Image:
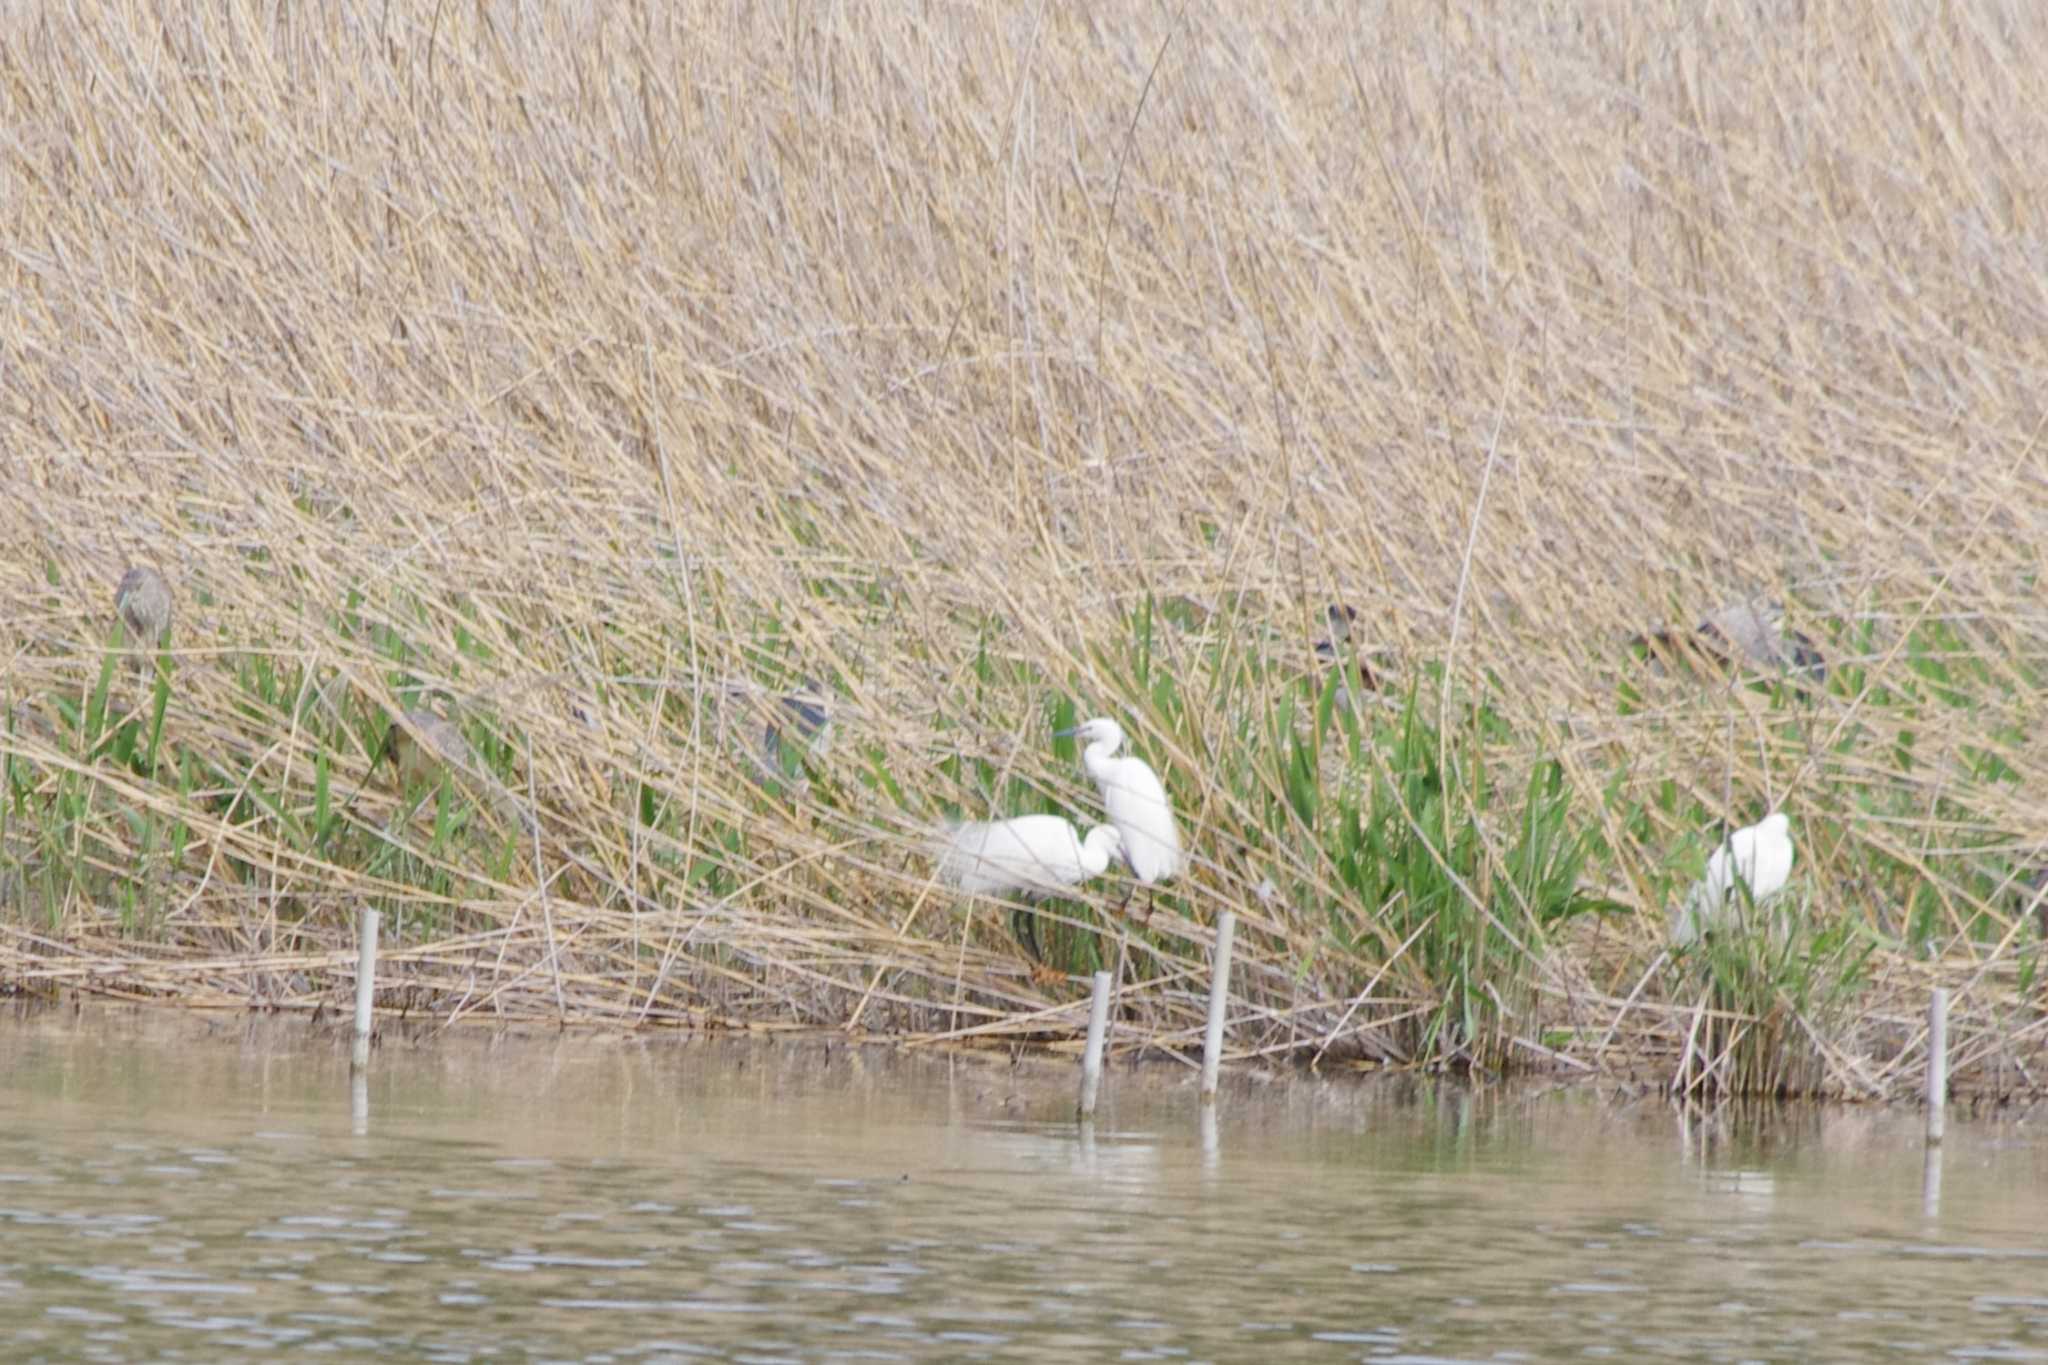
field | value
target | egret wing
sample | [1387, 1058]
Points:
[1136, 803]
[1032, 855]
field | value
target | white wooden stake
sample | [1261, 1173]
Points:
[1219, 998]
[1937, 1065]
[1091, 1055]
[366, 986]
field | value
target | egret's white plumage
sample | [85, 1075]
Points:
[1759, 855]
[1134, 800]
[1027, 857]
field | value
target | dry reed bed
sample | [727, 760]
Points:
[580, 364]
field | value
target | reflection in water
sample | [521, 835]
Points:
[168, 1187]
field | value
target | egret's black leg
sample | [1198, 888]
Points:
[1024, 928]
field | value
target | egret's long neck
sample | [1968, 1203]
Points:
[1095, 758]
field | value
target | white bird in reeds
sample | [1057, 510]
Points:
[1027, 857]
[1758, 858]
[1136, 803]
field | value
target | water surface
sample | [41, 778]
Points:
[173, 1187]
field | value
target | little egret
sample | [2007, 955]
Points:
[1136, 804]
[1760, 856]
[1026, 858]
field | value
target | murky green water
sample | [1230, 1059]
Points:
[171, 1189]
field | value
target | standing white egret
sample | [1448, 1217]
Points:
[1136, 804]
[1760, 855]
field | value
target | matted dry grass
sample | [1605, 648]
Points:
[585, 355]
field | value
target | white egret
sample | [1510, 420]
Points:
[1136, 804]
[1760, 856]
[1025, 858]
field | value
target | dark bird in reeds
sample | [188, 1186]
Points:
[1335, 649]
[806, 717]
[1739, 636]
[420, 744]
[142, 599]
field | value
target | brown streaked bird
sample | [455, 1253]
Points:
[420, 743]
[1337, 643]
[2032, 893]
[1740, 634]
[143, 602]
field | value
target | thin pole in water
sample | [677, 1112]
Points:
[1219, 997]
[1091, 1056]
[366, 986]
[1937, 1065]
